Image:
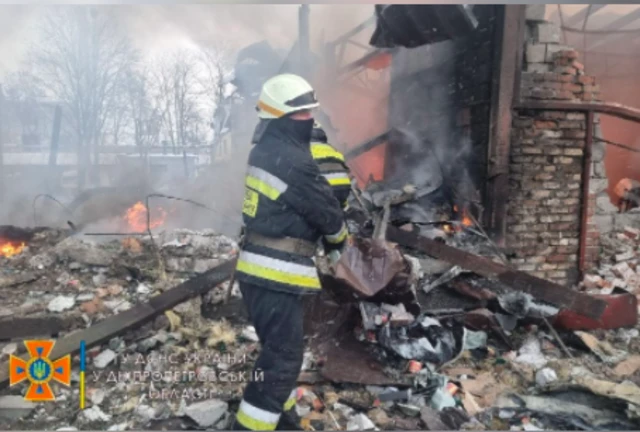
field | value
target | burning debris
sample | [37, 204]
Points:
[11, 248]
[137, 217]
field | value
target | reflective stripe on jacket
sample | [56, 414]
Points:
[286, 196]
[334, 169]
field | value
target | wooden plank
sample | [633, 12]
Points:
[540, 289]
[505, 69]
[134, 317]
[30, 327]
[366, 146]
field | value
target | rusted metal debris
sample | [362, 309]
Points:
[369, 266]
[134, 317]
[348, 361]
[540, 289]
[621, 311]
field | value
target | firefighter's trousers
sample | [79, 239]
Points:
[278, 320]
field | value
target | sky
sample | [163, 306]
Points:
[158, 28]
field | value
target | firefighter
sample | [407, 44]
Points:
[332, 165]
[288, 207]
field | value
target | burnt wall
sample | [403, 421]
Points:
[440, 101]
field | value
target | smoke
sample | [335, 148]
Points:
[156, 30]
[427, 147]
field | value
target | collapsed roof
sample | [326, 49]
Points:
[411, 26]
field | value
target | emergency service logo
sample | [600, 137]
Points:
[39, 370]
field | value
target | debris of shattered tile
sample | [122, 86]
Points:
[94, 414]
[360, 422]
[475, 339]
[601, 348]
[61, 304]
[103, 359]
[530, 353]
[545, 376]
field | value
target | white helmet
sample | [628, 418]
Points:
[285, 94]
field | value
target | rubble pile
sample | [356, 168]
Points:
[619, 258]
[422, 344]
[87, 279]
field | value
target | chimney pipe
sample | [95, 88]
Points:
[303, 40]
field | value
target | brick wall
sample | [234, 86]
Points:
[547, 150]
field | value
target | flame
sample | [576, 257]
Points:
[465, 221]
[136, 217]
[9, 249]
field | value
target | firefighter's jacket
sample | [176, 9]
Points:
[332, 166]
[285, 196]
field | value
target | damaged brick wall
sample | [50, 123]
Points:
[546, 164]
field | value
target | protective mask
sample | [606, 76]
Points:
[302, 130]
[298, 130]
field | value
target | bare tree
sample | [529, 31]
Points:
[80, 60]
[146, 120]
[23, 99]
[177, 95]
[218, 70]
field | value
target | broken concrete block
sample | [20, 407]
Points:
[208, 412]
[546, 32]
[360, 422]
[552, 50]
[592, 281]
[598, 185]
[94, 414]
[604, 205]
[103, 359]
[535, 12]
[89, 253]
[618, 283]
[623, 271]
[605, 223]
[61, 303]
[632, 233]
[535, 53]
[538, 67]
[626, 256]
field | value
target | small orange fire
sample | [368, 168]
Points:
[466, 221]
[9, 249]
[136, 217]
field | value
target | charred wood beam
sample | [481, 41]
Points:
[540, 289]
[506, 65]
[366, 146]
[134, 317]
[30, 327]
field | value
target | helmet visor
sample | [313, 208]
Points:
[302, 100]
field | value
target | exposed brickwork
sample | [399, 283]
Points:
[546, 167]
